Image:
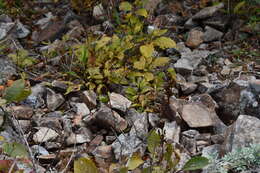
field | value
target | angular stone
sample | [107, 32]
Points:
[110, 119]
[189, 61]
[103, 152]
[194, 38]
[119, 102]
[125, 145]
[255, 85]
[36, 100]
[78, 139]
[90, 98]
[211, 34]
[54, 100]
[7, 69]
[187, 87]
[189, 24]
[60, 85]
[244, 132]
[21, 30]
[197, 115]
[207, 12]
[82, 109]
[140, 126]
[44, 134]
[22, 112]
[172, 132]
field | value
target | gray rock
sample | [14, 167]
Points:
[255, 85]
[189, 61]
[131, 116]
[60, 85]
[104, 152]
[1, 118]
[7, 69]
[189, 24]
[90, 98]
[5, 29]
[110, 119]
[172, 132]
[244, 132]
[99, 12]
[82, 109]
[211, 34]
[22, 112]
[154, 119]
[35, 99]
[21, 30]
[209, 152]
[5, 18]
[182, 48]
[44, 134]
[44, 22]
[188, 140]
[53, 100]
[187, 87]
[119, 102]
[78, 138]
[39, 150]
[207, 12]
[126, 144]
[197, 115]
[140, 126]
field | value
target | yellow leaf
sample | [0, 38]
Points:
[165, 42]
[85, 165]
[148, 76]
[147, 50]
[125, 6]
[159, 32]
[140, 65]
[134, 161]
[142, 12]
[160, 61]
[2, 138]
[102, 42]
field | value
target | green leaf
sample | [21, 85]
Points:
[142, 12]
[160, 61]
[164, 42]
[172, 73]
[85, 165]
[125, 6]
[123, 170]
[153, 141]
[15, 149]
[131, 91]
[84, 54]
[147, 50]
[134, 161]
[239, 6]
[195, 163]
[17, 92]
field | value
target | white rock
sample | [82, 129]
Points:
[119, 102]
[44, 134]
[82, 109]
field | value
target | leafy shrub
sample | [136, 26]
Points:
[242, 159]
[127, 58]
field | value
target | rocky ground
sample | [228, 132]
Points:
[215, 107]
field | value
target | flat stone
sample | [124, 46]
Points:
[207, 12]
[90, 98]
[244, 132]
[211, 34]
[44, 134]
[103, 152]
[78, 139]
[194, 38]
[197, 115]
[140, 126]
[35, 99]
[119, 102]
[22, 112]
[82, 109]
[110, 119]
[7, 69]
[188, 87]
[189, 61]
[54, 100]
